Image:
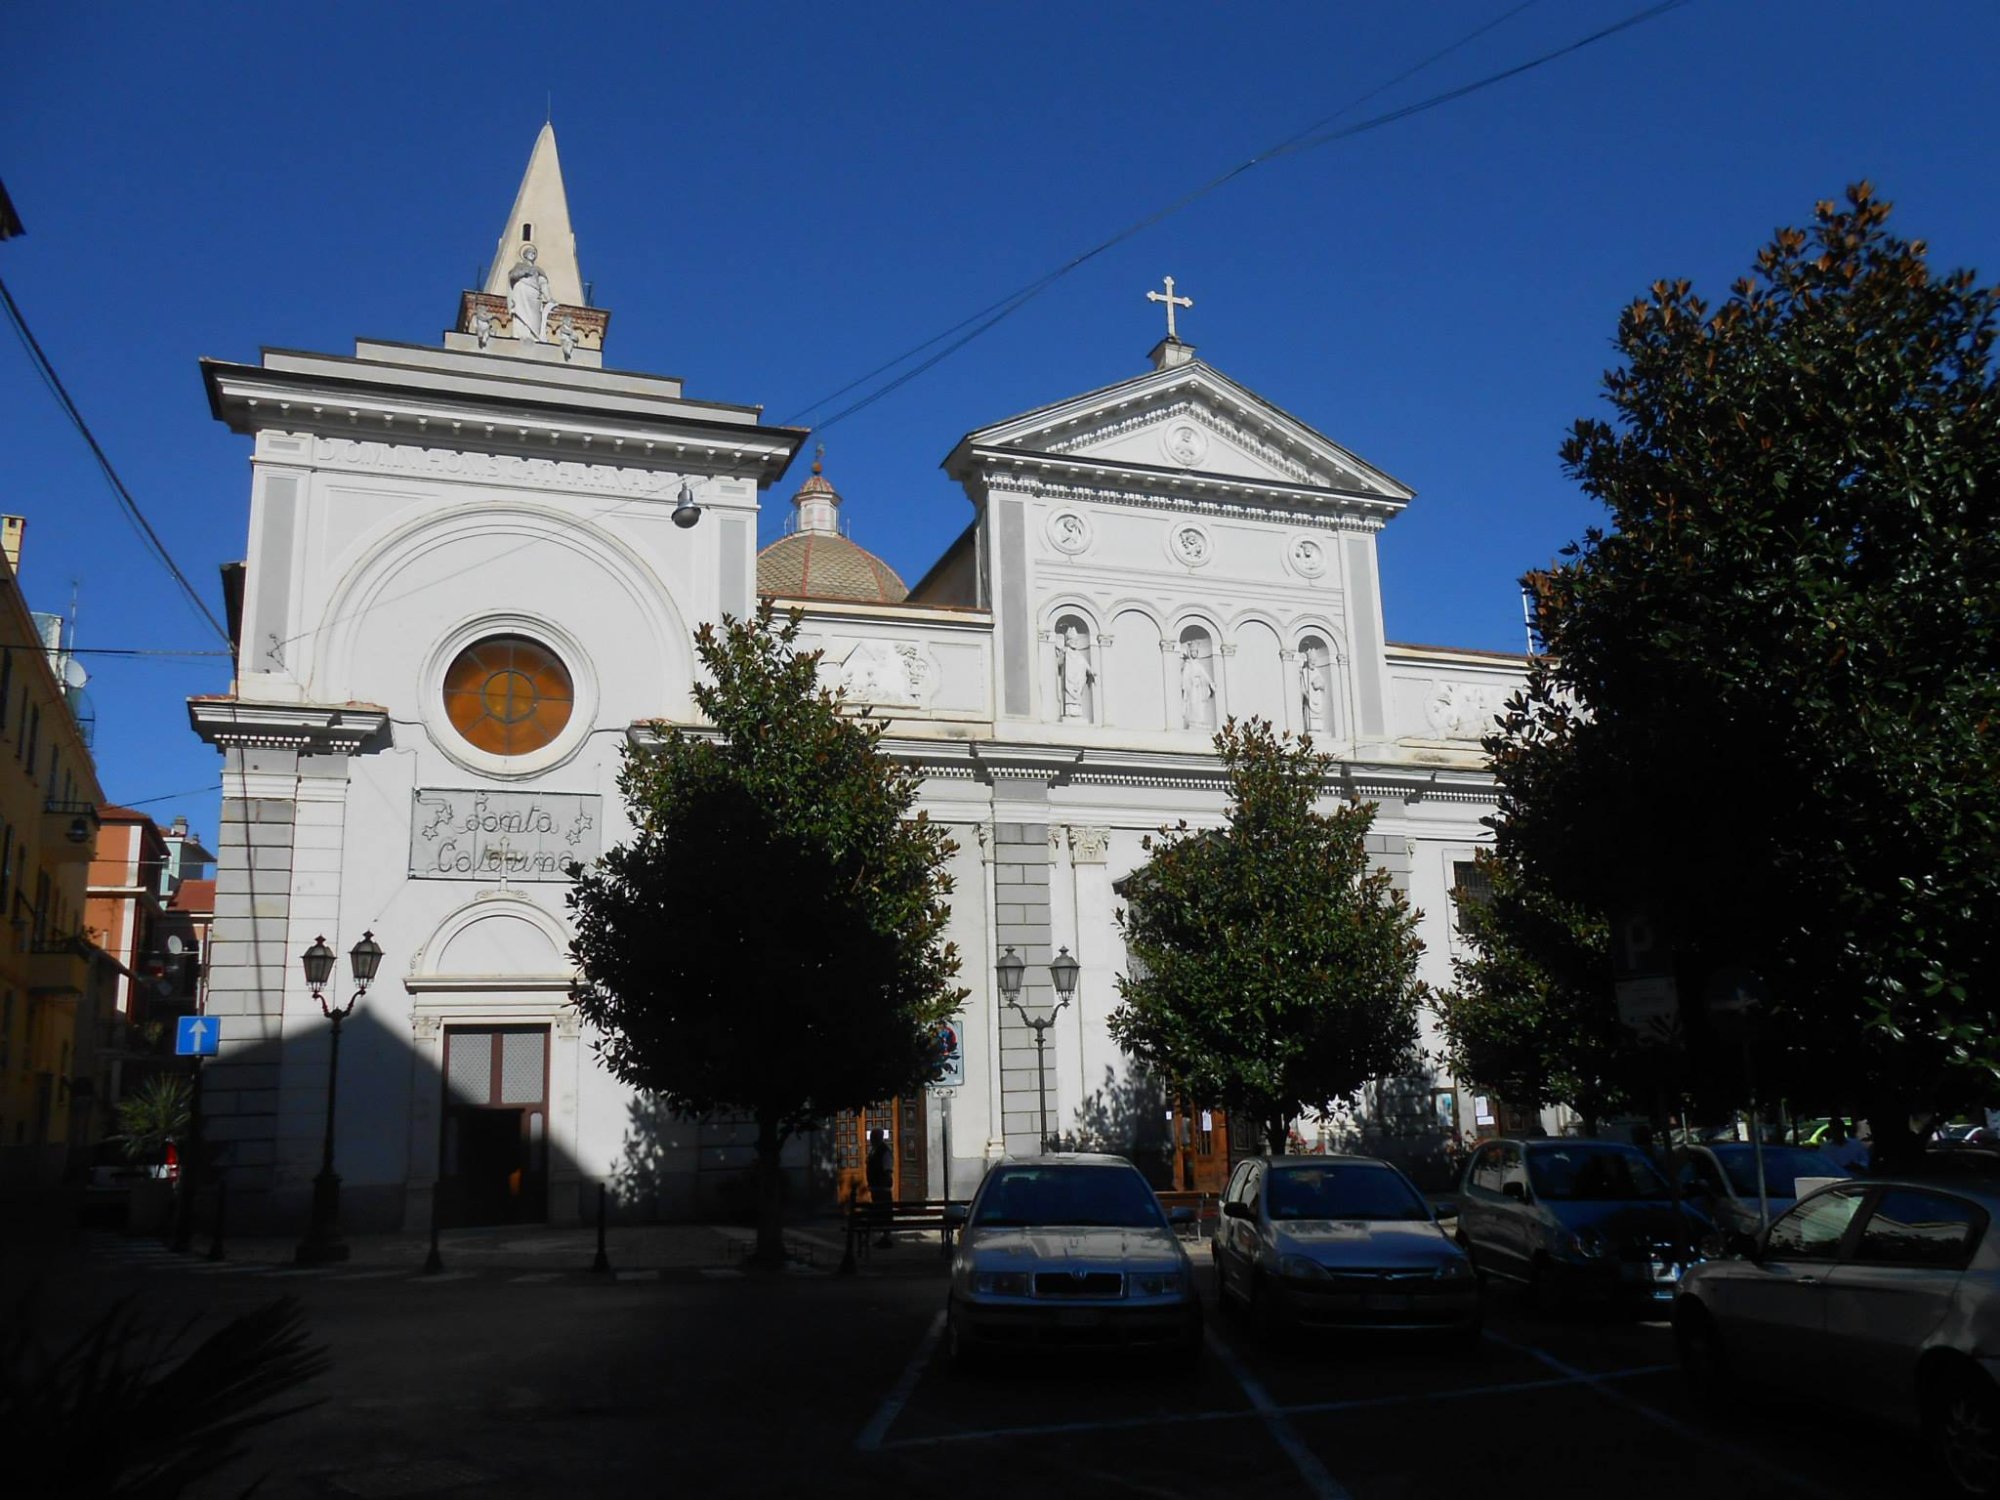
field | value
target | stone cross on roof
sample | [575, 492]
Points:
[1172, 302]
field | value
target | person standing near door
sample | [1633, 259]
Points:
[881, 1178]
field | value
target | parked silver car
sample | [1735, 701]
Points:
[1339, 1242]
[1721, 1178]
[1069, 1250]
[1881, 1294]
[1576, 1218]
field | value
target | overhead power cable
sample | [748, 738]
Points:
[119, 651]
[1310, 138]
[136, 516]
[199, 791]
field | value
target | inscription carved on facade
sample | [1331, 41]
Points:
[480, 835]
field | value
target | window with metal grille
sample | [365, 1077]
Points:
[469, 1068]
[521, 1056]
[1469, 882]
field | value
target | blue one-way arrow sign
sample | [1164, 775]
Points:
[196, 1036]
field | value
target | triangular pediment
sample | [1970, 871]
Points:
[1189, 420]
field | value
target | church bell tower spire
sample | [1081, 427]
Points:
[533, 300]
[540, 218]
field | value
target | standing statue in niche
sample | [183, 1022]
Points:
[1197, 689]
[530, 298]
[1312, 686]
[1073, 672]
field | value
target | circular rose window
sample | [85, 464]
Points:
[508, 695]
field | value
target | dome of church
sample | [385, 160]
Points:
[815, 561]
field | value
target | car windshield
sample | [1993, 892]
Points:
[1602, 1173]
[1342, 1191]
[1066, 1196]
[1783, 1166]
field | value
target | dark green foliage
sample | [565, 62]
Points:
[770, 940]
[1770, 702]
[1273, 966]
[156, 1112]
[115, 1415]
[1530, 1017]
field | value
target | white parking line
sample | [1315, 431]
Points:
[1322, 1485]
[900, 1393]
[1303, 1409]
[535, 1276]
[1667, 1420]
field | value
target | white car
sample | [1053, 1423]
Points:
[1880, 1293]
[1068, 1251]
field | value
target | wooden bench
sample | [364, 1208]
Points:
[870, 1221]
[1206, 1207]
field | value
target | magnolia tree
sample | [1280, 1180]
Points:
[770, 940]
[1770, 707]
[1273, 967]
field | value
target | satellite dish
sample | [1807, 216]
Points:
[74, 674]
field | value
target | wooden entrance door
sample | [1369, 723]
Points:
[494, 1153]
[905, 1124]
[1201, 1148]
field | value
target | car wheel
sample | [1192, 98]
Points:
[1962, 1420]
[1265, 1317]
[1193, 1348]
[961, 1353]
[1704, 1362]
[1471, 1256]
[1546, 1294]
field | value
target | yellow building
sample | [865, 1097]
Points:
[48, 826]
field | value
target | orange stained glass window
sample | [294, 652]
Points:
[508, 695]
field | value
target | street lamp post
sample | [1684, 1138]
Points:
[1063, 970]
[323, 1242]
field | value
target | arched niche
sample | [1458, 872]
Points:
[1199, 678]
[1315, 689]
[1076, 677]
[1257, 673]
[1134, 696]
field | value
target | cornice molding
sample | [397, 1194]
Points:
[312, 729]
[1100, 481]
[250, 399]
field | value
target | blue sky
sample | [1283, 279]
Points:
[773, 199]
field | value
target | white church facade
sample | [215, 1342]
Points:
[472, 577]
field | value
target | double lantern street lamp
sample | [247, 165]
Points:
[323, 1242]
[1063, 971]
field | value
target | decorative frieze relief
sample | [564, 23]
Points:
[1069, 531]
[494, 468]
[1087, 846]
[902, 673]
[1464, 710]
[1354, 513]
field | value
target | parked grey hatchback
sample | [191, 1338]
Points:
[1881, 1294]
[1569, 1218]
[1339, 1242]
